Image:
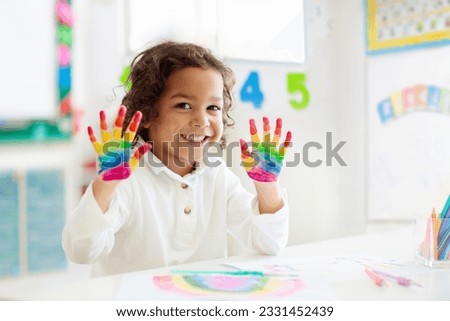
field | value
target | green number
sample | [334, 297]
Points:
[295, 84]
[124, 78]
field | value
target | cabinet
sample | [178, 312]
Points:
[37, 191]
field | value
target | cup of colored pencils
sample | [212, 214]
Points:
[432, 236]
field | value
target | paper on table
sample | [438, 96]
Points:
[218, 286]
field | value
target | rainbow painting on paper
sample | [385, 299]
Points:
[251, 284]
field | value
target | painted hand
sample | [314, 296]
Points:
[264, 162]
[114, 152]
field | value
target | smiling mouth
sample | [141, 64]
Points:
[198, 139]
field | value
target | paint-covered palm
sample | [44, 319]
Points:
[264, 162]
[116, 157]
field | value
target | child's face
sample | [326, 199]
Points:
[189, 115]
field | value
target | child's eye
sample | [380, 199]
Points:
[214, 107]
[183, 106]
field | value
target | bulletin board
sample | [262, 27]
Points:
[394, 25]
[409, 133]
[36, 70]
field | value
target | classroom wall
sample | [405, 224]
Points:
[325, 201]
[338, 55]
[408, 153]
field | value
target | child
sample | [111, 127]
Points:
[170, 205]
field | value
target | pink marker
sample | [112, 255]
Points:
[400, 279]
[378, 279]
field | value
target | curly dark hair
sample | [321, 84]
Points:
[151, 69]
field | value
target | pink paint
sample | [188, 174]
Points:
[226, 282]
[118, 173]
[63, 55]
[64, 13]
[166, 282]
[260, 175]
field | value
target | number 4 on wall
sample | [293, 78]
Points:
[250, 91]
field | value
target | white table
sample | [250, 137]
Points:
[396, 244]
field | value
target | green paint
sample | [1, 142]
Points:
[64, 35]
[257, 273]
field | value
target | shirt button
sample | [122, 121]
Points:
[187, 210]
[184, 186]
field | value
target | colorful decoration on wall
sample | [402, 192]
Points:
[64, 19]
[403, 24]
[251, 284]
[124, 77]
[414, 98]
[68, 119]
[251, 92]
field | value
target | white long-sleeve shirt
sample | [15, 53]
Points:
[158, 218]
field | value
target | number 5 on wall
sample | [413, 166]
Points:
[296, 83]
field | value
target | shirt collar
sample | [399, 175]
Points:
[158, 167]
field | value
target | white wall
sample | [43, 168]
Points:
[325, 201]
[336, 67]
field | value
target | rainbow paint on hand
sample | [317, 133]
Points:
[264, 162]
[114, 153]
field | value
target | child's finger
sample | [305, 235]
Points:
[247, 159]
[106, 136]
[253, 132]
[97, 146]
[134, 161]
[133, 126]
[118, 123]
[277, 134]
[286, 143]
[266, 133]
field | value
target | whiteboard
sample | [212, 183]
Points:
[28, 61]
[409, 155]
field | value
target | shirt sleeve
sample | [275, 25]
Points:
[260, 232]
[89, 233]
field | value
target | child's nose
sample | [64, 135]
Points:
[200, 119]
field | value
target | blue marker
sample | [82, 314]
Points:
[445, 212]
[444, 232]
